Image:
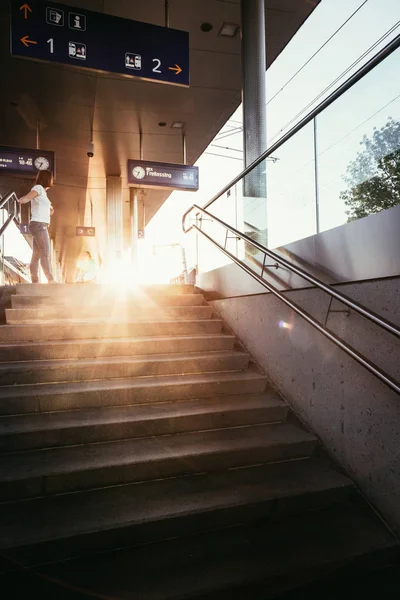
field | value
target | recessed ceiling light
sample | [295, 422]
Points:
[162, 124]
[206, 27]
[229, 29]
[178, 125]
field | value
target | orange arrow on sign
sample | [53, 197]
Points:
[26, 8]
[176, 68]
[26, 41]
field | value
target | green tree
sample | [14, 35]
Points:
[373, 178]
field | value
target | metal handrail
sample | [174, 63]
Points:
[14, 214]
[371, 64]
[304, 274]
[375, 318]
[370, 366]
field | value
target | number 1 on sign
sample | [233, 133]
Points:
[51, 42]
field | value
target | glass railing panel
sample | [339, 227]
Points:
[252, 210]
[291, 201]
[358, 148]
[273, 204]
[226, 209]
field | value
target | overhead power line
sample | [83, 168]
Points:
[224, 156]
[338, 78]
[318, 51]
[226, 148]
[226, 134]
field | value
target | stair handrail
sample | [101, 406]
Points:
[372, 316]
[369, 314]
[14, 214]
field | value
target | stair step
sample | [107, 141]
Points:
[61, 314]
[114, 347]
[120, 392]
[49, 371]
[100, 329]
[45, 430]
[91, 290]
[45, 529]
[53, 471]
[19, 301]
[260, 560]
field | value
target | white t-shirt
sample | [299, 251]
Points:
[40, 205]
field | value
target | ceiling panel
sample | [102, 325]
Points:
[68, 102]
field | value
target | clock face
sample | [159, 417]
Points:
[41, 163]
[138, 172]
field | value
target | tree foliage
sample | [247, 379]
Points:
[373, 178]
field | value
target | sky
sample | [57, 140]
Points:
[290, 180]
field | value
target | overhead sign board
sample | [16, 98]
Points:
[82, 38]
[25, 161]
[143, 173]
[85, 231]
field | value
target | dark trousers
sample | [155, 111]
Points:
[41, 250]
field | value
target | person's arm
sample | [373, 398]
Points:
[25, 199]
[51, 209]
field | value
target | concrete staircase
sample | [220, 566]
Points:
[143, 455]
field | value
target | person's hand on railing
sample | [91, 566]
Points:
[27, 198]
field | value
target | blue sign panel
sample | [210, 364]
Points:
[82, 38]
[24, 161]
[143, 173]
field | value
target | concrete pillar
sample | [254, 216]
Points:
[254, 117]
[114, 218]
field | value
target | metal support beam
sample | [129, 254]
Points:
[141, 144]
[317, 219]
[254, 116]
[166, 13]
[184, 151]
[253, 79]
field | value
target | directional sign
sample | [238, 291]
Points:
[25, 161]
[82, 38]
[85, 231]
[142, 173]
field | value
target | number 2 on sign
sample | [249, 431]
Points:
[156, 69]
[51, 42]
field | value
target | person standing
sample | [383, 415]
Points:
[41, 210]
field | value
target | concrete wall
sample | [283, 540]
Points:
[368, 248]
[356, 417]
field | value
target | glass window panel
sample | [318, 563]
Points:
[291, 204]
[358, 148]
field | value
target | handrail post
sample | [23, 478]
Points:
[367, 364]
